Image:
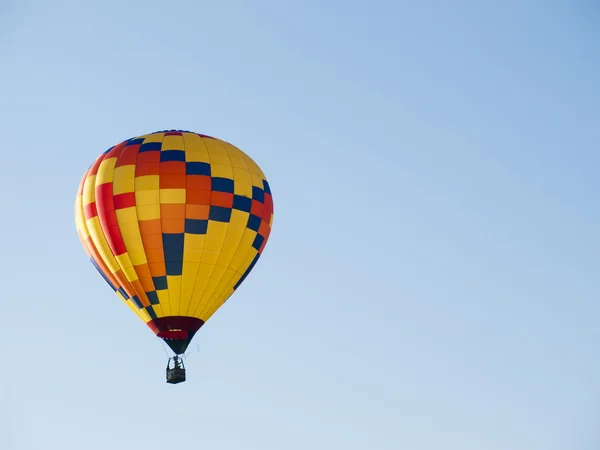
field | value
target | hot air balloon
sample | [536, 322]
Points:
[174, 222]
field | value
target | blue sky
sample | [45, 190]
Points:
[431, 281]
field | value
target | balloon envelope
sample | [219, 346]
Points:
[174, 221]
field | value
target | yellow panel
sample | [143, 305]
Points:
[126, 216]
[222, 292]
[243, 182]
[124, 179]
[210, 288]
[156, 137]
[171, 196]
[130, 230]
[89, 190]
[148, 212]
[106, 171]
[143, 313]
[195, 150]
[163, 298]
[235, 232]
[127, 267]
[244, 247]
[172, 143]
[215, 235]
[220, 170]
[253, 167]
[147, 182]
[158, 310]
[218, 273]
[192, 247]
[101, 244]
[143, 198]
[174, 283]
[257, 180]
[216, 152]
[201, 282]
[237, 224]
[188, 280]
[209, 257]
[248, 258]
[235, 156]
[218, 156]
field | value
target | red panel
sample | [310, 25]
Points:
[128, 156]
[172, 181]
[126, 200]
[116, 151]
[257, 208]
[200, 182]
[223, 199]
[148, 163]
[175, 167]
[108, 218]
[90, 211]
[268, 208]
[197, 197]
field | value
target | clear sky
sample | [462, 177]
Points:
[432, 279]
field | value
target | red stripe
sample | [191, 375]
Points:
[257, 208]
[108, 218]
[90, 211]
[128, 156]
[126, 200]
[174, 167]
[268, 208]
[115, 151]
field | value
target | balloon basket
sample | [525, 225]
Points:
[175, 374]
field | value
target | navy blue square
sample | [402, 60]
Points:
[258, 240]
[196, 226]
[197, 168]
[174, 268]
[150, 147]
[153, 297]
[222, 185]
[160, 283]
[242, 203]
[219, 214]
[123, 293]
[253, 222]
[172, 155]
[258, 194]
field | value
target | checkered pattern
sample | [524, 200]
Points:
[174, 221]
